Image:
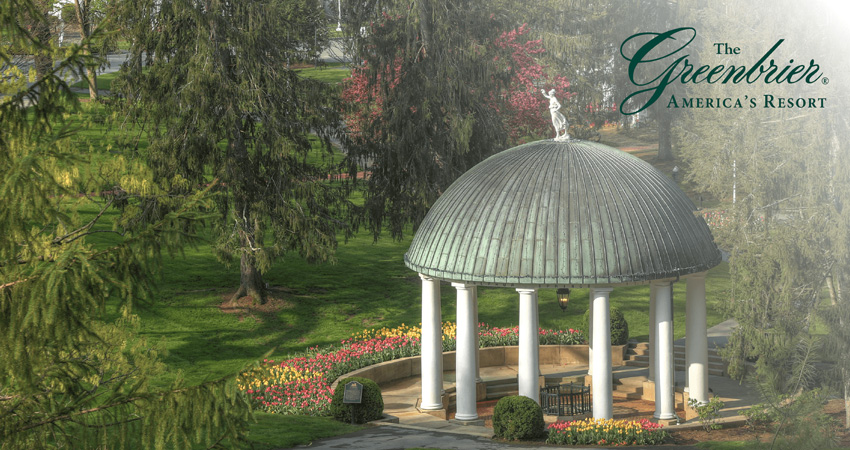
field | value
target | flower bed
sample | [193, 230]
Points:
[606, 432]
[301, 384]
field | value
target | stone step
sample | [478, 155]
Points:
[552, 381]
[644, 358]
[640, 352]
[711, 361]
[714, 361]
[497, 382]
[629, 387]
[680, 360]
[635, 381]
[500, 389]
[634, 393]
[714, 368]
[680, 350]
[637, 351]
[717, 370]
[498, 395]
[633, 363]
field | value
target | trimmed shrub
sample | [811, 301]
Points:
[518, 418]
[619, 326]
[371, 408]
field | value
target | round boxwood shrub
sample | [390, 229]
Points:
[619, 326]
[518, 418]
[371, 408]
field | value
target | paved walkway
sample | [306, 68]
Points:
[392, 437]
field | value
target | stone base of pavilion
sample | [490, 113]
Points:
[630, 386]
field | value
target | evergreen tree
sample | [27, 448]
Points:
[211, 82]
[69, 377]
[780, 173]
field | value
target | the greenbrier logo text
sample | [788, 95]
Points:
[643, 65]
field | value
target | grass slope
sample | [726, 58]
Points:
[369, 286]
[298, 430]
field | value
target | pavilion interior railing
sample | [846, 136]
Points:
[565, 399]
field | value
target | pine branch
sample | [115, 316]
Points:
[106, 425]
[12, 283]
[803, 365]
[79, 232]
[215, 444]
[71, 416]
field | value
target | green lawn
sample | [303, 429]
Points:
[278, 431]
[104, 82]
[329, 73]
[332, 73]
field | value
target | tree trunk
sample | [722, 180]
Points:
[831, 288]
[665, 125]
[249, 226]
[251, 281]
[92, 79]
[83, 16]
[426, 26]
[41, 31]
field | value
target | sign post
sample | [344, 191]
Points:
[353, 395]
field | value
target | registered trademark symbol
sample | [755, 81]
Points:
[825, 80]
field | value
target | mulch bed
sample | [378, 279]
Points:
[247, 307]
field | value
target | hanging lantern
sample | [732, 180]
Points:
[563, 298]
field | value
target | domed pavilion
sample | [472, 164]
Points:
[563, 214]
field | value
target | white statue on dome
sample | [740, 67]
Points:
[558, 119]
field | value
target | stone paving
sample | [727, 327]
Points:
[418, 430]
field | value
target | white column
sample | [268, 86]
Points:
[590, 333]
[537, 333]
[664, 406]
[529, 358]
[653, 288]
[465, 356]
[477, 337]
[601, 390]
[432, 345]
[696, 338]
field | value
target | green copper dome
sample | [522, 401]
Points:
[562, 214]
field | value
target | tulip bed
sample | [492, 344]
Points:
[606, 432]
[301, 384]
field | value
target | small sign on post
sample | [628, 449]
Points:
[353, 395]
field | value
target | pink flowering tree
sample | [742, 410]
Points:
[520, 103]
[514, 99]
